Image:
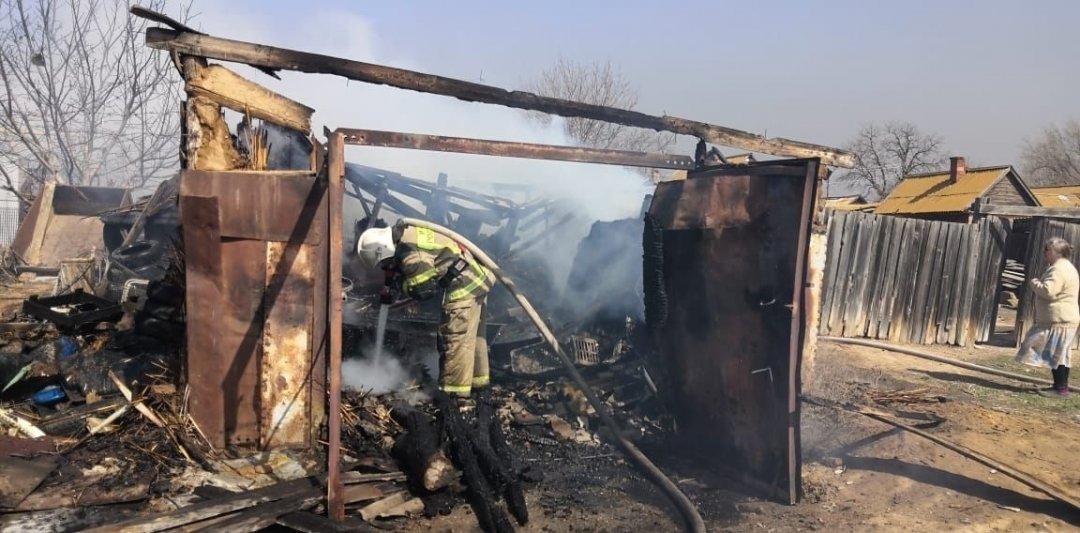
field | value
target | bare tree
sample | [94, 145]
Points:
[888, 152]
[1053, 158]
[84, 101]
[599, 84]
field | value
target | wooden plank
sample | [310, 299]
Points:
[989, 282]
[874, 290]
[319, 329]
[858, 238]
[45, 214]
[982, 300]
[956, 320]
[313, 523]
[335, 193]
[416, 141]
[266, 210]
[300, 488]
[202, 245]
[863, 253]
[889, 282]
[843, 273]
[262, 516]
[231, 90]
[933, 297]
[949, 281]
[973, 251]
[281, 58]
[857, 326]
[834, 230]
[924, 274]
[1000, 237]
[910, 253]
[842, 251]
[881, 266]
[961, 285]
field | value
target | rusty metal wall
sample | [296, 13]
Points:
[728, 321]
[255, 248]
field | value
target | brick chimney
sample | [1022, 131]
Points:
[957, 168]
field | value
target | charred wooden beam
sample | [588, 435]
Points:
[373, 175]
[335, 498]
[418, 450]
[231, 90]
[436, 143]
[281, 58]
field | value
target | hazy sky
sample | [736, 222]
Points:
[983, 74]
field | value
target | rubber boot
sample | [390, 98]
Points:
[1063, 380]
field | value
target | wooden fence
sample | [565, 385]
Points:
[912, 281]
[1042, 229]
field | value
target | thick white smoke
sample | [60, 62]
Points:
[601, 192]
[378, 376]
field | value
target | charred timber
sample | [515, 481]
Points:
[418, 450]
[436, 143]
[271, 57]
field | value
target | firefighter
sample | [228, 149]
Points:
[420, 263]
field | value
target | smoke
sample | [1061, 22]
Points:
[598, 192]
[380, 376]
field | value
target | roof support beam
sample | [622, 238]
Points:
[269, 57]
[390, 139]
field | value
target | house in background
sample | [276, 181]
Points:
[951, 195]
[1058, 196]
[854, 202]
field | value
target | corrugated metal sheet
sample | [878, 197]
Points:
[1064, 196]
[932, 193]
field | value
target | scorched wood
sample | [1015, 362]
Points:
[280, 58]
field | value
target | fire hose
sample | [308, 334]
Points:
[685, 507]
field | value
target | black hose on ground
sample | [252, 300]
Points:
[685, 507]
[923, 354]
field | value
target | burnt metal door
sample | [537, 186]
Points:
[724, 272]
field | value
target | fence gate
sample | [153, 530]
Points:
[912, 281]
[1034, 265]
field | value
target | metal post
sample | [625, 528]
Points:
[335, 496]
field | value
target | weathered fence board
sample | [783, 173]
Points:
[1041, 230]
[911, 281]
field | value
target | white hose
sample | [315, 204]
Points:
[686, 508]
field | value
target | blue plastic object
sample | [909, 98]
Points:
[49, 396]
[66, 347]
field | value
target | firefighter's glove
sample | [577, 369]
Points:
[453, 272]
[386, 297]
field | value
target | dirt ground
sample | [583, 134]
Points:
[859, 474]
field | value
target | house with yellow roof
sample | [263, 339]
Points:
[1058, 196]
[951, 195]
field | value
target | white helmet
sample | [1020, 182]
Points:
[375, 246]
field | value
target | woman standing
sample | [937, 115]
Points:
[1049, 343]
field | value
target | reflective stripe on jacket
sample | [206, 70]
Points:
[425, 256]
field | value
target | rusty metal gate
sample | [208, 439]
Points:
[725, 271]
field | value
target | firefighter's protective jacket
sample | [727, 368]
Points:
[428, 261]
